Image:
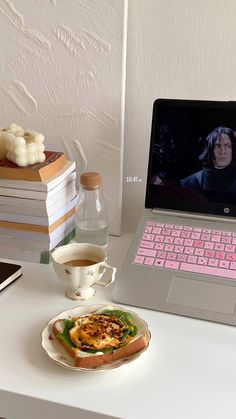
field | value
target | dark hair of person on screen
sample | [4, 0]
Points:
[218, 159]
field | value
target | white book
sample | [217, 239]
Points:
[22, 255]
[39, 208]
[34, 219]
[29, 251]
[25, 188]
[53, 237]
[28, 245]
[31, 195]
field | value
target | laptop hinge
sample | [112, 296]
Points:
[156, 211]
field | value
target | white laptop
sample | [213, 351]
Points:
[183, 256]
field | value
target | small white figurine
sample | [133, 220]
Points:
[22, 147]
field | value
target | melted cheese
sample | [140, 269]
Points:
[85, 337]
[88, 332]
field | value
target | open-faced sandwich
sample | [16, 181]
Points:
[100, 337]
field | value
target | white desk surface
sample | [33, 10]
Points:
[188, 371]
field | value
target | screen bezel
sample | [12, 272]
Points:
[223, 209]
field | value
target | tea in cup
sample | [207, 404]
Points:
[79, 266]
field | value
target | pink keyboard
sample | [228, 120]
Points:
[197, 250]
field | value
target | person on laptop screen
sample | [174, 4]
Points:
[218, 163]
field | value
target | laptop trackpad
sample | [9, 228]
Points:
[202, 295]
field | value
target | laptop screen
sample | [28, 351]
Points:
[192, 159]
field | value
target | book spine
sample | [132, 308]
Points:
[38, 172]
[31, 255]
[40, 211]
[54, 237]
[45, 186]
[37, 228]
[36, 194]
[38, 219]
[7, 244]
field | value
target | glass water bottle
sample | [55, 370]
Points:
[91, 214]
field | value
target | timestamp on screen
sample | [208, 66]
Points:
[131, 179]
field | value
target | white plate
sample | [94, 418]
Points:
[57, 353]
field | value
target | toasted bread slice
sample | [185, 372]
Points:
[88, 360]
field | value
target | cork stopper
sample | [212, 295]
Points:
[90, 180]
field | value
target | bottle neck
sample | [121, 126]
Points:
[91, 194]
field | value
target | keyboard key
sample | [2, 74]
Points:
[226, 240]
[199, 252]
[171, 256]
[179, 249]
[216, 238]
[209, 253]
[159, 238]
[171, 264]
[148, 230]
[188, 242]
[156, 230]
[229, 248]
[191, 259]
[159, 246]
[213, 262]
[179, 241]
[139, 259]
[166, 231]
[182, 258]
[189, 250]
[220, 255]
[169, 239]
[159, 262]
[198, 243]
[231, 257]
[149, 261]
[195, 235]
[219, 246]
[209, 245]
[169, 247]
[224, 264]
[176, 233]
[202, 261]
[186, 234]
[146, 252]
[146, 244]
[205, 236]
[148, 237]
[161, 255]
[208, 270]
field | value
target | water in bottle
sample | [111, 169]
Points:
[91, 214]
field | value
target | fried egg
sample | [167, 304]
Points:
[97, 331]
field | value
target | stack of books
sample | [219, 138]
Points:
[37, 207]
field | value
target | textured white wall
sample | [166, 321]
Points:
[62, 73]
[176, 49]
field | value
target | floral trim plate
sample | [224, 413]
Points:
[57, 353]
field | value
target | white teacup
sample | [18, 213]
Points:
[79, 266]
